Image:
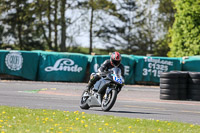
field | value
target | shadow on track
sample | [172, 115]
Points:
[131, 112]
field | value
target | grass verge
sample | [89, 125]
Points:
[24, 120]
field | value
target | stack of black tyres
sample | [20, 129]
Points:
[183, 85]
[194, 86]
[173, 85]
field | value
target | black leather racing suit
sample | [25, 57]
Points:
[104, 67]
[107, 65]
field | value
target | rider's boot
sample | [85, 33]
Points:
[91, 83]
[89, 86]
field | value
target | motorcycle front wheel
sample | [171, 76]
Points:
[83, 102]
[109, 100]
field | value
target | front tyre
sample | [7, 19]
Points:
[83, 102]
[109, 100]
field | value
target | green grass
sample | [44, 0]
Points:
[22, 120]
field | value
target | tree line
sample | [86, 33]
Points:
[134, 27]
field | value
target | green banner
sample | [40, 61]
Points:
[19, 63]
[128, 62]
[2, 60]
[150, 68]
[56, 66]
[191, 63]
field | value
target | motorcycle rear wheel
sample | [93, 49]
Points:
[83, 102]
[108, 103]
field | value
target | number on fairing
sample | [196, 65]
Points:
[118, 80]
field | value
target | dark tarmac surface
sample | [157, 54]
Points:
[133, 101]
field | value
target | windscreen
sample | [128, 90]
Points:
[117, 72]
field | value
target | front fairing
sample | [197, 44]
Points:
[115, 76]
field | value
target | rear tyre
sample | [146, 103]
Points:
[83, 102]
[107, 103]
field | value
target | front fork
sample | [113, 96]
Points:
[108, 90]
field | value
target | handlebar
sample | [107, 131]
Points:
[104, 73]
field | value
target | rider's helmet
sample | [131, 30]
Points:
[115, 58]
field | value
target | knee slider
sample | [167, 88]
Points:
[92, 76]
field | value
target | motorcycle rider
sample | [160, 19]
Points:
[114, 61]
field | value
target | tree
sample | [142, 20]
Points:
[49, 12]
[19, 19]
[63, 25]
[166, 18]
[167, 11]
[1, 31]
[161, 46]
[127, 30]
[185, 33]
[56, 24]
[152, 30]
[92, 5]
[99, 13]
[1, 36]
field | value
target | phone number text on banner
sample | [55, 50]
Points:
[150, 68]
[156, 66]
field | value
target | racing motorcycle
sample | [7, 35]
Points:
[104, 92]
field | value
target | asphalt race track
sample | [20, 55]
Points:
[133, 101]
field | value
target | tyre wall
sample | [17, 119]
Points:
[194, 86]
[180, 85]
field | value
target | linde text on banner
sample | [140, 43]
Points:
[64, 64]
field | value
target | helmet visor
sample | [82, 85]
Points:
[115, 62]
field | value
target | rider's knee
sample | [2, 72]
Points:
[93, 76]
